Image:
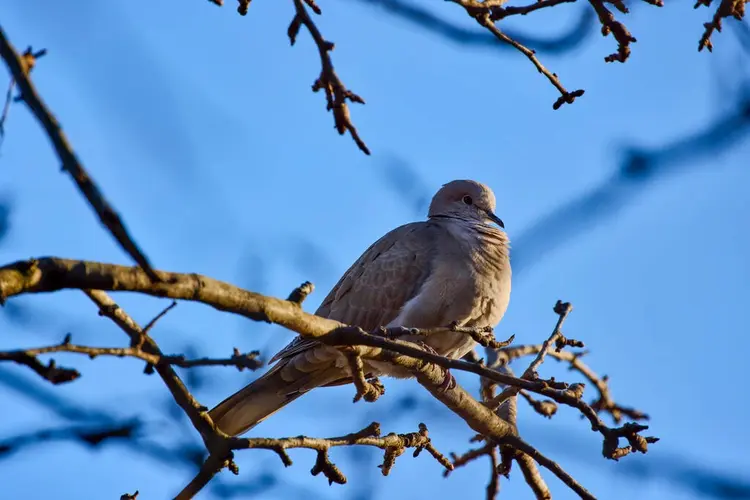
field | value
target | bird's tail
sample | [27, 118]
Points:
[252, 404]
[263, 397]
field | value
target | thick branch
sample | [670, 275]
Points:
[51, 274]
[487, 423]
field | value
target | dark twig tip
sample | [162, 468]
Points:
[300, 293]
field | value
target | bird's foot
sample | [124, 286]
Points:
[449, 382]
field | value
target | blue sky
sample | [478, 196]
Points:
[201, 129]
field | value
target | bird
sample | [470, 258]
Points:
[451, 269]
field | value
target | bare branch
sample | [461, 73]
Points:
[53, 274]
[603, 403]
[550, 465]
[19, 66]
[50, 371]
[197, 413]
[482, 13]
[618, 30]
[562, 310]
[58, 375]
[393, 444]
[29, 58]
[50, 274]
[212, 466]
[726, 8]
[335, 91]
[159, 316]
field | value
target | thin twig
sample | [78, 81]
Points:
[50, 372]
[335, 91]
[498, 12]
[562, 309]
[196, 412]
[159, 316]
[550, 465]
[393, 444]
[25, 356]
[726, 8]
[482, 12]
[618, 30]
[603, 403]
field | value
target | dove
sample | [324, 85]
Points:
[452, 269]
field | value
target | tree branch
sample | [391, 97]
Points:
[49, 274]
[335, 91]
[562, 310]
[604, 402]
[19, 67]
[726, 8]
[58, 375]
[196, 412]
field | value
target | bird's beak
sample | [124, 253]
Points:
[494, 218]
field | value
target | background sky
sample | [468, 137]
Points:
[200, 127]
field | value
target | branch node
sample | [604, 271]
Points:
[323, 464]
[242, 7]
[300, 293]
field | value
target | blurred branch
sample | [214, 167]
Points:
[50, 371]
[639, 166]
[423, 18]
[91, 435]
[19, 67]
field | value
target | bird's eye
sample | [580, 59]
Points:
[467, 199]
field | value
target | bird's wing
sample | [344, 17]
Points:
[374, 289]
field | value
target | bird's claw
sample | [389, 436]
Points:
[449, 381]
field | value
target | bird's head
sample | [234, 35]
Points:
[465, 199]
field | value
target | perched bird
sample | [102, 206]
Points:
[452, 268]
